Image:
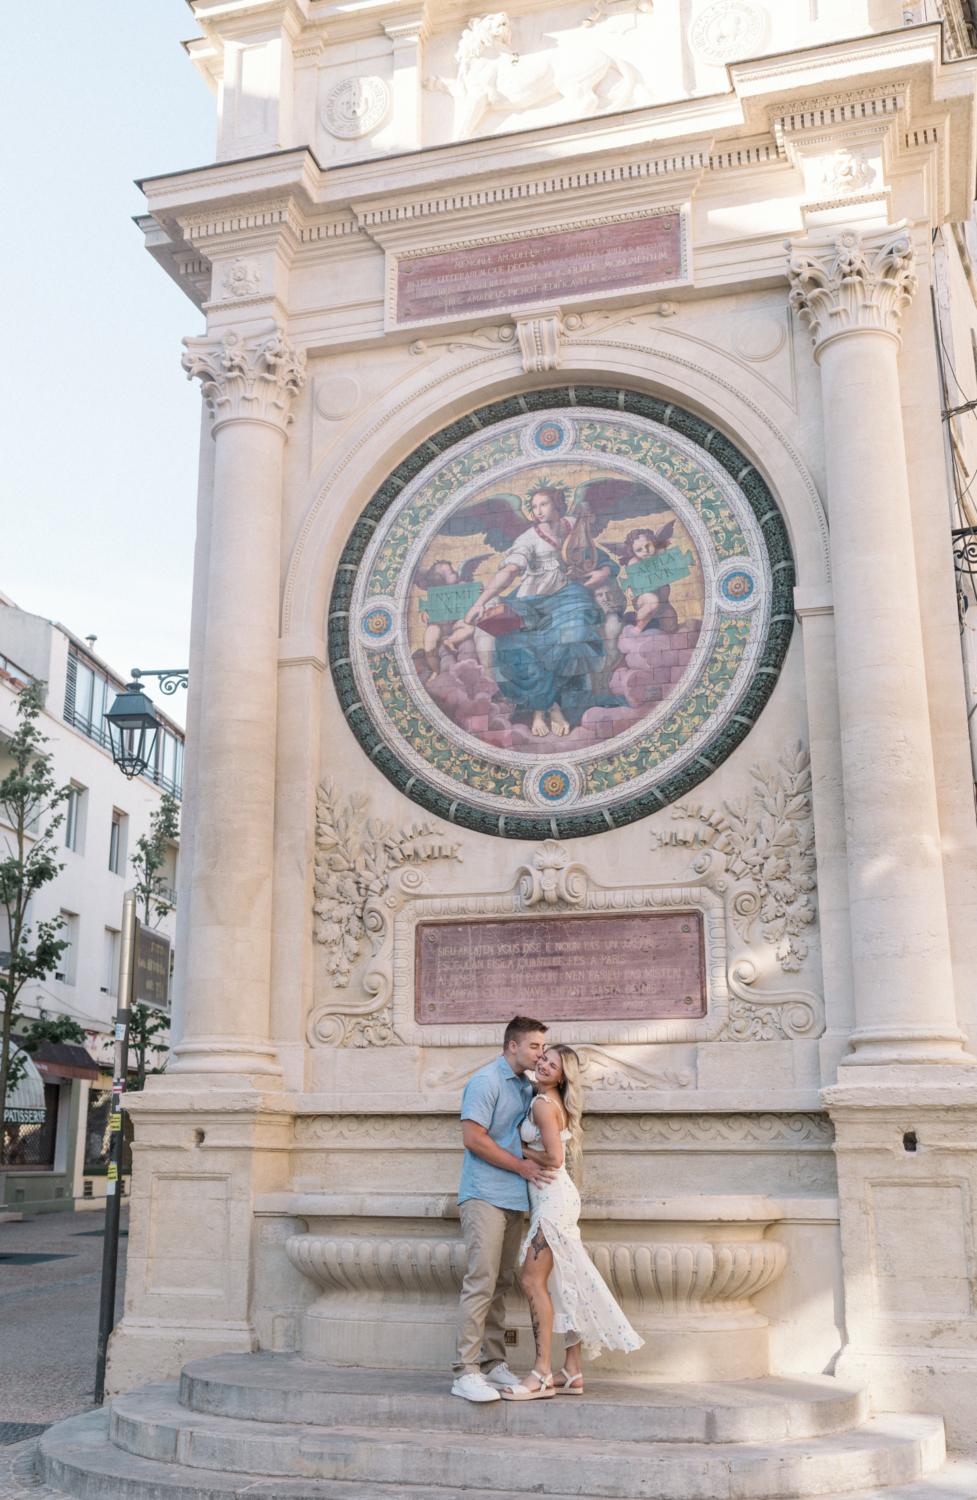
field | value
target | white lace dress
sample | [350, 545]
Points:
[582, 1303]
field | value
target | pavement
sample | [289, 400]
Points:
[50, 1282]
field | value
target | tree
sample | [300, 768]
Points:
[28, 796]
[145, 1023]
[152, 847]
[56, 1029]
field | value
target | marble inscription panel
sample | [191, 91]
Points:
[565, 968]
[613, 257]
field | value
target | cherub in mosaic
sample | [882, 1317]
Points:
[561, 608]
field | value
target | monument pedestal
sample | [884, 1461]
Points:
[684, 1270]
[285, 1428]
[200, 1152]
[906, 1144]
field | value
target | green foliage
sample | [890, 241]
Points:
[152, 847]
[59, 1029]
[145, 1025]
[29, 796]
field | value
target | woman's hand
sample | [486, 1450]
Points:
[476, 612]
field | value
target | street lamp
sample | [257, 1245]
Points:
[132, 721]
[133, 731]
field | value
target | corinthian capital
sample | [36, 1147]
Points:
[853, 283]
[252, 380]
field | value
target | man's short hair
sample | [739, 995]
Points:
[521, 1026]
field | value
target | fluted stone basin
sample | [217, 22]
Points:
[390, 1269]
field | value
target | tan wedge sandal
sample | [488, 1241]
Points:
[520, 1392]
[570, 1387]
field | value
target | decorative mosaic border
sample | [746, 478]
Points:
[567, 824]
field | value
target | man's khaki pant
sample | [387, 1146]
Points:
[492, 1239]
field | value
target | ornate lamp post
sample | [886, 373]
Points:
[132, 721]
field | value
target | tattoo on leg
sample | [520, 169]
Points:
[534, 1319]
[538, 1243]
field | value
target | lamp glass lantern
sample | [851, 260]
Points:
[133, 731]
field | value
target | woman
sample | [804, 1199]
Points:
[545, 668]
[564, 1291]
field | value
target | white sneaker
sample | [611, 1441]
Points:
[501, 1376]
[474, 1387]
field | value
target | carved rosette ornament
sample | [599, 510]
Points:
[853, 283]
[252, 380]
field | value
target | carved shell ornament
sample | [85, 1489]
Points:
[566, 618]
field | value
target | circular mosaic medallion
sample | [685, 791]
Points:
[567, 619]
[549, 436]
[553, 785]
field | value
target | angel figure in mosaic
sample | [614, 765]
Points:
[651, 566]
[449, 591]
[548, 648]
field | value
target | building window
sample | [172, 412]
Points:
[73, 818]
[117, 843]
[169, 763]
[110, 963]
[87, 695]
[69, 957]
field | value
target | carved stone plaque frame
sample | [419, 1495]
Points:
[552, 884]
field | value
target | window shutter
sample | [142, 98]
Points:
[69, 688]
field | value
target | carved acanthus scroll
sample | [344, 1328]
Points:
[354, 864]
[767, 841]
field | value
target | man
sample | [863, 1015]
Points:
[493, 1199]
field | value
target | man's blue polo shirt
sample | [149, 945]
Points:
[498, 1099]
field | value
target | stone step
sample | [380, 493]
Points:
[284, 1388]
[76, 1458]
[885, 1451]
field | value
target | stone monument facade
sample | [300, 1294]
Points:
[700, 791]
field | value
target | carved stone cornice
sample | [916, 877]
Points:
[251, 380]
[853, 283]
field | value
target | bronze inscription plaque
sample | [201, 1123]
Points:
[613, 257]
[636, 968]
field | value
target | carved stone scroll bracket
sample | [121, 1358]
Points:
[853, 283]
[540, 339]
[772, 1015]
[552, 878]
[539, 342]
[480, 338]
[247, 379]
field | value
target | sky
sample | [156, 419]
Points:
[99, 426]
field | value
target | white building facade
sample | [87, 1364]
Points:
[103, 817]
[587, 441]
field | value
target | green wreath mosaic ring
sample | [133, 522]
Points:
[561, 613]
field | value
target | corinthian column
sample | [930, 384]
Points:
[248, 386]
[852, 293]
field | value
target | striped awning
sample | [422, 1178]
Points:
[25, 1101]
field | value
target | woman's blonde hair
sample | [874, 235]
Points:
[571, 1093]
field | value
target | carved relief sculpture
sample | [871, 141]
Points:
[354, 862]
[768, 841]
[493, 76]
